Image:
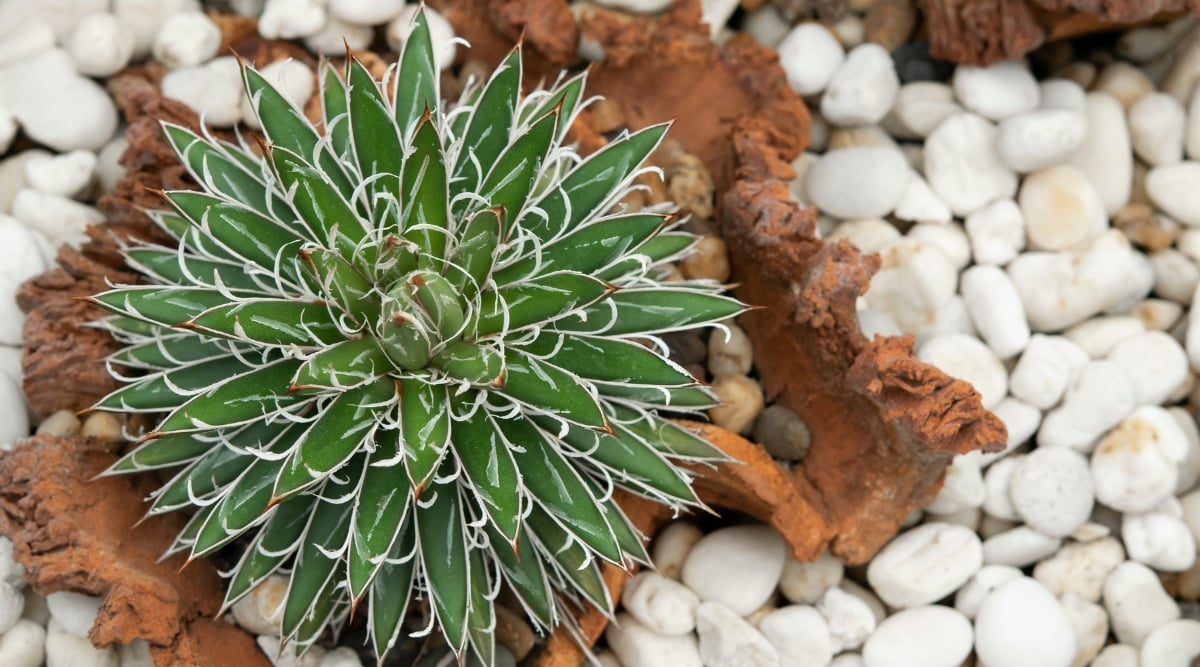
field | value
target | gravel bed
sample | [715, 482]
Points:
[1039, 237]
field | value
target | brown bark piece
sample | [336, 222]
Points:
[76, 533]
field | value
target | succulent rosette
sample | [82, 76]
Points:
[411, 351]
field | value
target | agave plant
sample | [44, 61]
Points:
[411, 351]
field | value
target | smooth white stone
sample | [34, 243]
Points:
[1134, 468]
[1146, 43]
[12, 401]
[346, 657]
[143, 18]
[662, 605]
[66, 650]
[1136, 602]
[997, 91]
[261, 611]
[1021, 420]
[66, 175]
[1098, 336]
[1156, 126]
[12, 603]
[35, 608]
[858, 182]
[767, 28]
[59, 219]
[213, 90]
[1046, 368]
[738, 566]
[1175, 275]
[1051, 490]
[1062, 94]
[12, 176]
[809, 55]
[850, 618]
[1089, 622]
[805, 583]
[24, 645]
[922, 105]
[75, 611]
[929, 636]
[1039, 139]
[728, 641]
[1021, 624]
[1124, 82]
[55, 105]
[967, 517]
[875, 322]
[636, 646]
[996, 309]
[1172, 188]
[1106, 154]
[962, 487]
[1060, 289]
[441, 33]
[333, 39]
[1019, 546]
[862, 89]
[850, 30]
[290, 19]
[868, 235]
[285, 655]
[101, 45]
[1080, 569]
[1061, 208]
[63, 15]
[914, 281]
[109, 170]
[800, 634]
[1174, 644]
[22, 33]
[11, 572]
[1192, 139]
[996, 232]
[8, 128]
[951, 318]
[967, 358]
[962, 167]
[185, 40]
[1155, 363]
[672, 546]
[949, 238]
[997, 502]
[1117, 655]
[1160, 538]
[1191, 513]
[20, 252]
[989, 577]
[293, 78]
[925, 564]
[1189, 467]
[920, 204]
[137, 654]
[868, 597]
[365, 12]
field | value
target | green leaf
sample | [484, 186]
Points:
[672, 398]
[170, 351]
[376, 142]
[471, 261]
[242, 398]
[632, 543]
[416, 78]
[550, 390]
[662, 247]
[326, 534]
[425, 419]
[653, 310]
[608, 360]
[331, 221]
[558, 488]
[481, 617]
[342, 366]
[425, 209]
[165, 452]
[479, 364]
[524, 573]
[489, 126]
[511, 179]
[169, 389]
[591, 185]
[570, 558]
[390, 592]
[241, 232]
[440, 526]
[343, 284]
[664, 436]
[566, 97]
[488, 463]
[380, 514]
[334, 437]
[587, 249]
[537, 301]
[274, 544]
[242, 504]
[183, 541]
[171, 306]
[630, 459]
[220, 466]
[271, 322]
[334, 110]
[171, 267]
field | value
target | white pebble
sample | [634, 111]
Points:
[1124, 82]
[858, 182]
[293, 78]
[1192, 140]
[59, 219]
[1063, 94]
[929, 636]
[1021, 420]
[1051, 490]
[12, 603]
[1039, 139]
[74, 611]
[800, 634]
[1136, 602]
[261, 610]
[1046, 368]
[109, 170]
[333, 39]
[809, 55]
[663, 605]
[1172, 188]
[967, 358]
[949, 238]
[862, 88]
[1080, 569]
[101, 45]
[996, 309]
[1089, 622]
[1155, 363]
[1117, 655]
[346, 657]
[289, 19]
[58, 107]
[1175, 275]
[989, 577]
[738, 566]
[962, 166]
[997, 502]
[996, 232]
[998, 91]
[1098, 336]
[806, 583]
[1061, 208]
[66, 175]
[1019, 546]
[22, 33]
[365, 12]
[1021, 624]
[1134, 466]
[1174, 644]
[922, 105]
[672, 546]
[143, 18]
[24, 645]
[1156, 126]
[920, 204]
[850, 618]
[185, 40]
[441, 33]
[636, 646]
[767, 27]
[64, 649]
[924, 564]
[728, 641]
[213, 90]
[1106, 155]
[962, 486]
[1159, 538]
[914, 282]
